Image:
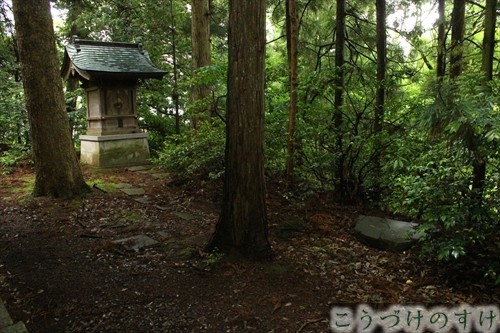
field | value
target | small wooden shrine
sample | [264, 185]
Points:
[109, 72]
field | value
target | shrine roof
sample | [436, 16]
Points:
[100, 60]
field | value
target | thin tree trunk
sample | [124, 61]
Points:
[57, 169]
[175, 88]
[340, 34]
[479, 163]
[200, 42]
[457, 38]
[441, 38]
[75, 9]
[381, 90]
[489, 39]
[242, 225]
[292, 43]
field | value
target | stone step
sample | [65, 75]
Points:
[6, 323]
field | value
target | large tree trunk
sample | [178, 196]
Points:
[200, 42]
[58, 172]
[242, 224]
[457, 38]
[292, 49]
[441, 39]
[340, 35]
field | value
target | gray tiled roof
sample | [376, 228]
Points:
[107, 59]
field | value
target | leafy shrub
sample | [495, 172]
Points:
[197, 153]
[436, 186]
[12, 157]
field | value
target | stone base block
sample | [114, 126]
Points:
[109, 151]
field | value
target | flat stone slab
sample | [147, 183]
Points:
[143, 200]
[160, 175]
[6, 323]
[186, 216]
[123, 185]
[385, 233]
[5, 319]
[140, 168]
[133, 191]
[163, 234]
[136, 243]
[148, 172]
[18, 327]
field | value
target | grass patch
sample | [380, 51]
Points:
[105, 185]
[132, 216]
[19, 189]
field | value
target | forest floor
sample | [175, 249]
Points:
[61, 272]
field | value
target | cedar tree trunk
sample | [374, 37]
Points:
[242, 225]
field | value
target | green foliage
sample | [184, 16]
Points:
[213, 258]
[432, 174]
[196, 154]
[15, 155]
[431, 137]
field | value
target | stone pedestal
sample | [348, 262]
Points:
[109, 151]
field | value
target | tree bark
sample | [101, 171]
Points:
[200, 42]
[457, 38]
[479, 163]
[58, 172]
[175, 88]
[490, 18]
[242, 225]
[340, 35]
[292, 48]
[381, 90]
[441, 39]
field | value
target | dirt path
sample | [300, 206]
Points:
[61, 272]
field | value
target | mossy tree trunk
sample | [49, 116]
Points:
[58, 172]
[242, 225]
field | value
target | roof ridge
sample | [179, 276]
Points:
[77, 41]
